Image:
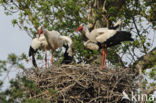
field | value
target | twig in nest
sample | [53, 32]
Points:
[81, 83]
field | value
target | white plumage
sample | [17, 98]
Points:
[55, 40]
[67, 41]
[103, 38]
[36, 43]
[103, 34]
[99, 35]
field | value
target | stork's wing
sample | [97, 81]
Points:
[101, 30]
[35, 43]
[67, 58]
[53, 32]
[105, 34]
[66, 41]
[32, 53]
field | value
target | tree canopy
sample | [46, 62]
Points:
[138, 17]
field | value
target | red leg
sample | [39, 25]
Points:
[104, 54]
[52, 58]
[45, 58]
[103, 58]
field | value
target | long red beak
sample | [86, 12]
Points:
[39, 33]
[79, 28]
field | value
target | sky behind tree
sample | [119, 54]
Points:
[12, 39]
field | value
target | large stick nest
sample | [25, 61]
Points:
[80, 83]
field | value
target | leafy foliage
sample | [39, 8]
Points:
[66, 15]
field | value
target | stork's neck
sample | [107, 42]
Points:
[47, 36]
[45, 32]
[87, 33]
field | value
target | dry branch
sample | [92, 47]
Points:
[81, 83]
[146, 61]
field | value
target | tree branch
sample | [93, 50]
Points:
[146, 61]
[150, 90]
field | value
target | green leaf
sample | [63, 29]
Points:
[14, 22]
[12, 58]
[21, 66]
[152, 73]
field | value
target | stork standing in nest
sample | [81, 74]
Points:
[36, 43]
[103, 38]
[55, 40]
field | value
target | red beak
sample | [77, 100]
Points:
[79, 28]
[39, 33]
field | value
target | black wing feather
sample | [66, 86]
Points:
[67, 59]
[32, 53]
[34, 61]
[119, 37]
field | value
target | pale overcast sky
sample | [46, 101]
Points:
[12, 40]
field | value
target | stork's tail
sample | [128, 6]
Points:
[124, 36]
[68, 44]
[119, 37]
[67, 58]
[117, 25]
[118, 22]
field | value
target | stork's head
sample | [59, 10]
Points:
[40, 31]
[80, 28]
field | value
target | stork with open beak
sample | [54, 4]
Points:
[103, 38]
[55, 40]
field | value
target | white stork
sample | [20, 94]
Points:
[36, 43]
[55, 40]
[103, 38]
